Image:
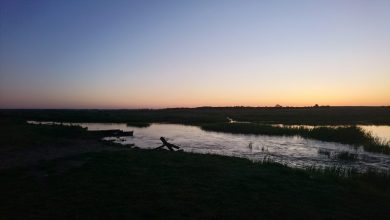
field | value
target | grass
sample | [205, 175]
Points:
[352, 135]
[265, 115]
[343, 156]
[19, 134]
[347, 156]
[151, 184]
[142, 184]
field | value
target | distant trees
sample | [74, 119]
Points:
[313, 106]
[321, 106]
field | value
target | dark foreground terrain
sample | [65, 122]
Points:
[119, 182]
[140, 184]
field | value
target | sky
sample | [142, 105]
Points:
[188, 53]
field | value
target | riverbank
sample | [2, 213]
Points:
[23, 144]
[144, 184]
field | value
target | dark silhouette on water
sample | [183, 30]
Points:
[168, 145]
[113, 133]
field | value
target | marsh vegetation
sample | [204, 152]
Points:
[263, 115]
[352, 135]
[84, 177]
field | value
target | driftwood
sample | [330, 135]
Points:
[112, 133]
[168, 145]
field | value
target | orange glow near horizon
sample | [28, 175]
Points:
[166, 99]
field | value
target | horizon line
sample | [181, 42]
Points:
[198, 107]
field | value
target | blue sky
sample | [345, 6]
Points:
[136, 54]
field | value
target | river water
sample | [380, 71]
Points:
[293, 151]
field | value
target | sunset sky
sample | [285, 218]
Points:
[188, 53]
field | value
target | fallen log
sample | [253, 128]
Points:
[112, 133]
[167, 144]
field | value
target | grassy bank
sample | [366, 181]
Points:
[19, 134]
[346, 135]
[141, 184]
[23, 144]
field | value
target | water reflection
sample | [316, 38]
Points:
[381, 131]
[292, 151]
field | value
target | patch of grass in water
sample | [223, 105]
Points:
[138, 124]
[324, 152]
[347, 156]
[333, 171]
[352, 135]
